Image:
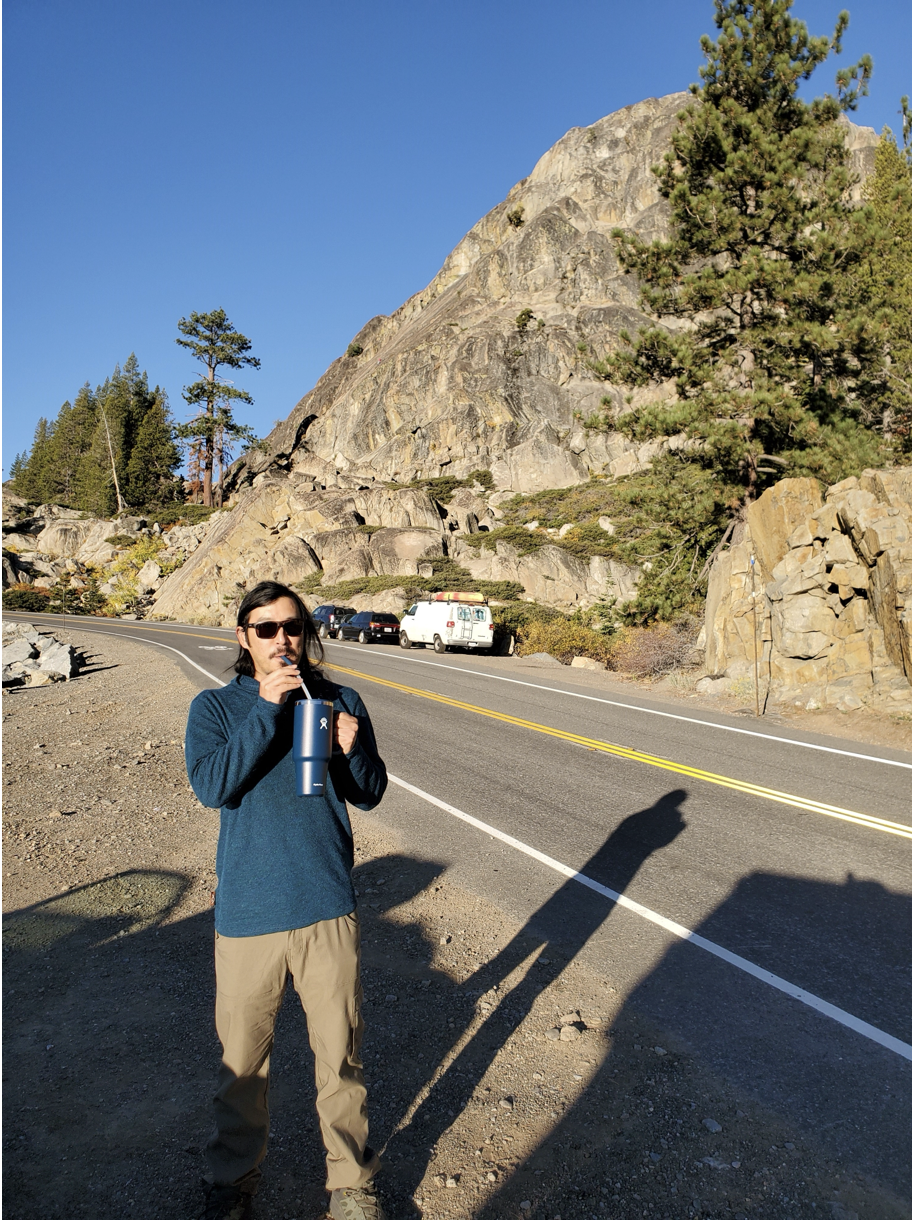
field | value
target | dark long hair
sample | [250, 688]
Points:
[261, 596]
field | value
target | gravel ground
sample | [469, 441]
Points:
[481, 1109]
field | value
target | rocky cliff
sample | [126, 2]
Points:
[449, 383]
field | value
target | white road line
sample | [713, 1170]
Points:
[679, 931]
[151, 641]
[639, 708]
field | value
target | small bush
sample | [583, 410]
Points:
[353, 350]
[16, 598]
[189, 515]
[62, 598]
[483, 477]
[146, 548]
[652, 651]
[93, 602]
[515, 217]
[563, 639]
[171, 566]
[447, 576]
[525, 541]
[121, 540]
[503, 591]
[311, 583]
[522, 320]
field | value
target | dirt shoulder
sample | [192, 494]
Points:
[110, 1053]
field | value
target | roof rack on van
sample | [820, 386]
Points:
[457, 596]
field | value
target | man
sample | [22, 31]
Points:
[284, 904]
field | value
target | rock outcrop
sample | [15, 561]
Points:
[33, 657]
[282, 530]
[830, 594]
[487, 367]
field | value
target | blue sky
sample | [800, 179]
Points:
[303, 166]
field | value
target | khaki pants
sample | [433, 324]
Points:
[324, 962]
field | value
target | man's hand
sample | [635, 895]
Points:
[276, 686]
[345, 731]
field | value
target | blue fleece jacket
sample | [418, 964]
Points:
[283, 861]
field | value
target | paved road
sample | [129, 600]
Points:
[790, 855]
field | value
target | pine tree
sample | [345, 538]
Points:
[214, 342]
[95, 493]
[34, 482]
[777, 367]
[154, 458]
[70, 438]
[887, 278]
[17, 466]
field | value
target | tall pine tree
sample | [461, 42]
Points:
[887, 279]
[778, 366]
[154, 458]
[34, 482]
[70, 438]
[215, 343]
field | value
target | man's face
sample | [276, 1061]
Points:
[266, 653]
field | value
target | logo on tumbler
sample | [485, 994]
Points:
[323, 723]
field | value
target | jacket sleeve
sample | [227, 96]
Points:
[220, 760]
[360, 776]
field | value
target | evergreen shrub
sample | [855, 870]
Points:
[24, 598]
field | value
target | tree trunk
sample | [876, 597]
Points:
[209, 448]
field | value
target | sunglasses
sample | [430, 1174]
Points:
[268, 628]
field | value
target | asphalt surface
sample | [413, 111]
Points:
[820, 898]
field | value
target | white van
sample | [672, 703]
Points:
[451, 619]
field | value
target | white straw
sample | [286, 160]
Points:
[288, 662]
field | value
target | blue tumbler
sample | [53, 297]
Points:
[313, 734]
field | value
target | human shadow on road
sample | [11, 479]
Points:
[814, 1116]
[569, 916]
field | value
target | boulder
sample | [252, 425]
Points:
[394, 601]
[18, 541]
[834, 623]
[343, 554]
[394, 551]
[773, 517]
[59, 659]
[539, 463]
[587, 664]
[148, 578]
[18, 651]
[466, 512]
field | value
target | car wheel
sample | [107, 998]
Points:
[362, 638]
[404, 641]
[322, 632]
[439, 646]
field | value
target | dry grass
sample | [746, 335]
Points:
[652, 651]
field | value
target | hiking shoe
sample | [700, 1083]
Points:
[225, 1201]
[355, 1202]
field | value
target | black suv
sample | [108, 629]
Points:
[370, 626]
[327, 618]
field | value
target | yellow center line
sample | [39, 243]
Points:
[655, 761]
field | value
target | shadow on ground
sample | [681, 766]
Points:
[111, 1055]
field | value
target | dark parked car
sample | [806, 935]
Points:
[327, 618]
[370, 626]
